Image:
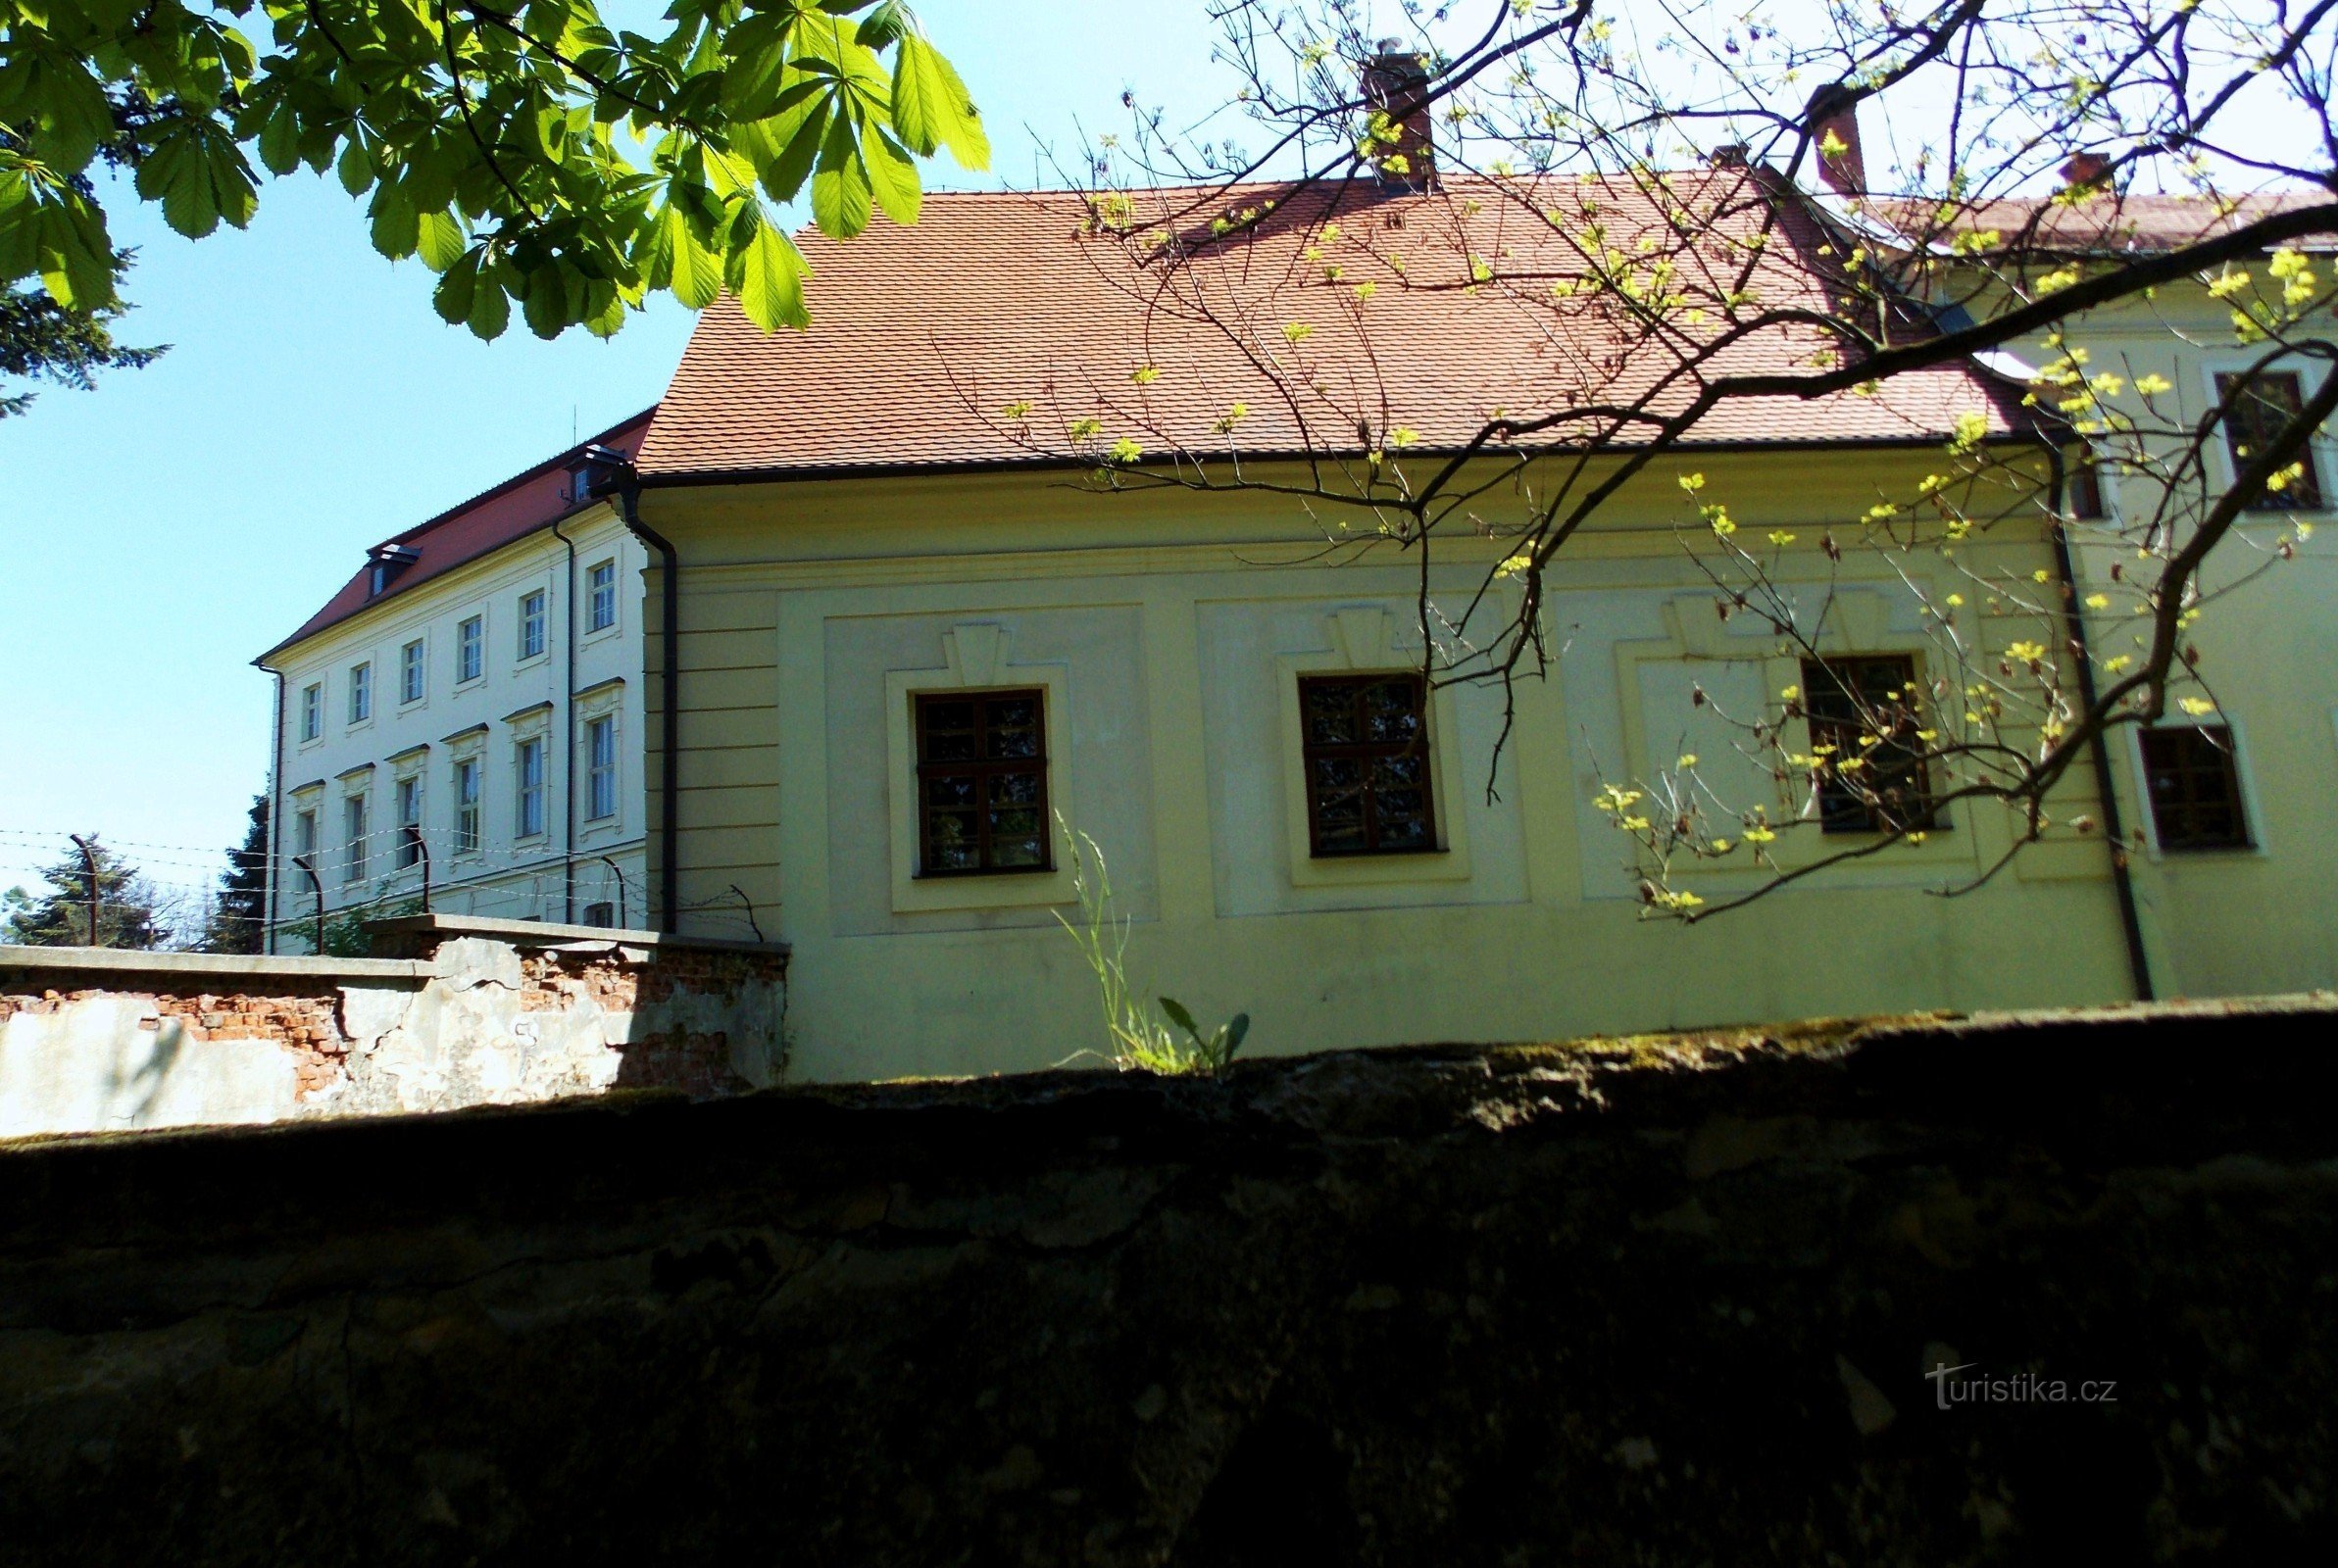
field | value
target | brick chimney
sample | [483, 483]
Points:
[1396, 86]
[2086, 171]
[1845, 171]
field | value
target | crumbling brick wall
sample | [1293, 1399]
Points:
[91, 1042]
[305, 1019]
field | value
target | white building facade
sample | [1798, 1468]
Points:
[466, 712]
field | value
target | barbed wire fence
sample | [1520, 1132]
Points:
[504, 883]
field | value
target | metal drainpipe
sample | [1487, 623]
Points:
[568, 765]
[2122, 880]
[275, 820]
[627, 494]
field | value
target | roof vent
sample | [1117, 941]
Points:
[384, 561]
[1396, 89]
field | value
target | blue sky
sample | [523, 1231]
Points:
[159, 532]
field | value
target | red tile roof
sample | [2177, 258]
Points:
[486, 523]
[922, 335]
[2109, 223]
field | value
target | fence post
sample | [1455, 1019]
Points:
[88, 882]
[422, 853]
[318, 888]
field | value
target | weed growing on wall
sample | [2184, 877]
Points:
[1138, 1032]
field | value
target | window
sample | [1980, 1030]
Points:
[361, 692]
[530, 813]
[2085, 498]
[600, 751]
[602, 915]
[410, 816]
[581, 485]
[466, 806]
[2259, 414]
[312, 712]
[1365, 748]
[2195, 788]
[471, 649]
[410, 673]
[531, 624]
[353, 836]
[1863, 708]
[982, 782]
[304, 831]
[603, 614]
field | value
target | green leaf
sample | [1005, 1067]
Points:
[440, 239]
[800, 132]
[356, 168]
[840, 191]
[931, 107]
[458, 291]
[892, 174]
[758, 49]
[546, 302]
[889, 22]
[1179, 1016]
[771, 281]
[280, 139]
[200, 177]
[1236, 1033]
[490, 310]
[397, 226]
[693, 269]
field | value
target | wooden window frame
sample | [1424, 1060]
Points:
[984, 770]
[1823, 677]
[2218, 740]
[2306, 494]
[1310, 751]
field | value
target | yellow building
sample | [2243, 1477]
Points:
[903, 624]
[2255, 915]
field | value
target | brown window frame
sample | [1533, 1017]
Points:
[982, 770]
[1843, 678]
[2085, 489]
[2306, 493]
[1312, 750]
[2214, 741]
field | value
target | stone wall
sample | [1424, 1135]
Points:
[1649, 1302]
[470, 1013]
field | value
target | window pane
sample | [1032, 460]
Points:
[1012, 729]
[1330, 712]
